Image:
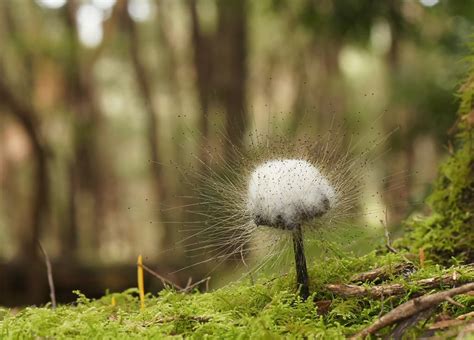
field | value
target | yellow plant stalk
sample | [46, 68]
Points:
[421, 255]
[113, 302]
[141, 286]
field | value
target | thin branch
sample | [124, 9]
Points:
[387, 235]
[469, 329]
[392, 289]
[444, 324]
[399, 331]
[454, 302]
[161, 278]
[383, 273]
[190, 280]
[190, 287]
[412, 307]
[465, 316]
[49, 270]
[449, 329]
[388, 240]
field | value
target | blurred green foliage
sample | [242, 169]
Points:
[447, 234]
[376, 65]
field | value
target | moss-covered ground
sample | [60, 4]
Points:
[266, 309]
[270, 308]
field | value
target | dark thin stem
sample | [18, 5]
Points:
[161, 278]
[52, 291]
[302, 278]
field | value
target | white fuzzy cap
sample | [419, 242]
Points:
[284, 193]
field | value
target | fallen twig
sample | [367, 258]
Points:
[379, 291]
[465, 316]
[413, 307]
[383, 273]
[189, 287]
[449, 329]
[161, 278]
[451, 301]
[401, 328]
[190, 281]
[388, 241]
[49, 271]
[469, 329]
[443, 324]
[359, 291]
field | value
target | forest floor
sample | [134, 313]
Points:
[422, 288]
[400, 296]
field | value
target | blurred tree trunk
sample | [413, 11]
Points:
[70, 232]
[87, 167]
[231, 78]
[300, 105]
[27, 116]
[171, 64]
[144, 88]
[332, 98]
[399, 188]
[40, 198]
[395, 20]
[169, 55]
[220, 61]
[203, 61]
[28, 254]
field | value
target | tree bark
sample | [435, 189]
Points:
[144, 87]
[231, 78]
[203, 61]
[86, 168]
[26, 116]
[399, 188]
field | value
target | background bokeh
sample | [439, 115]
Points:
[105, 104]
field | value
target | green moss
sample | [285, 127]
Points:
[447, 235]
[269, 309]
